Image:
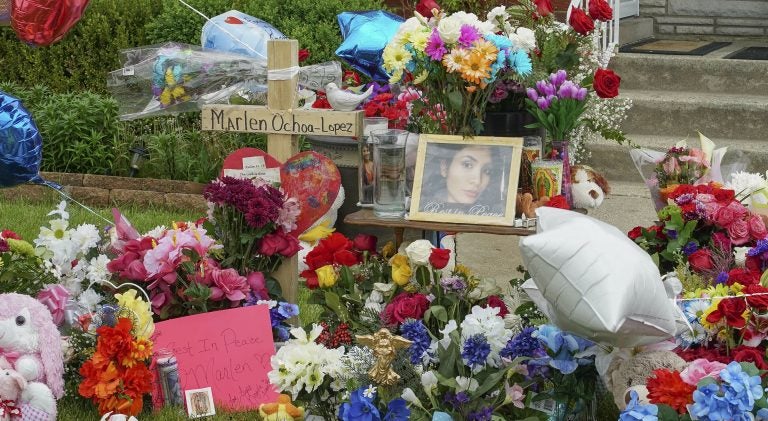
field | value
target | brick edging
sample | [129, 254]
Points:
[106, 191]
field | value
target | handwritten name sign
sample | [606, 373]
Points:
[228, 350]
[251, 119]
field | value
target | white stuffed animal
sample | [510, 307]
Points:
[588, 187]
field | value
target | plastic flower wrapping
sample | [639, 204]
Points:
[174, 77]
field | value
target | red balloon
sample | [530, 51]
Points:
[43, 22]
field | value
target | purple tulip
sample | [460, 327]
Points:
[541, 87]
[543, 103]
[532, 94]
[568, 90]
[582, 94]
[558, 78]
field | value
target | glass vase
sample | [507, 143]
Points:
[560, 152]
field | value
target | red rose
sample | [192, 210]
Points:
[280, 243]
[439, 258]
[365, 242]
[731, 309]
[425, 8]
[701, 260]
[600, 10]
[739, 232]
[405, 306]
[558, 202]
[496, 302]
[606, 83]
[748, 354]
[659, 230]
[350, 78]
[346, 257]
[743, 276]
[724, 195]
[759, 302]
[635, 233]
[756, 227]
[581, 22]
[543, 7]
[754, 263]
[303, 54]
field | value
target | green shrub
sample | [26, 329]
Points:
[82, 59]
[312, 22]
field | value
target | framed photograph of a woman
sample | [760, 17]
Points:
[470, 181]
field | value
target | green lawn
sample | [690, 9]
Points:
[27, 218]
[76, 409]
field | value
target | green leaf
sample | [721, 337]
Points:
[455, 99]
[440, 313]
[489, 383]
[333, 302]
[667, 413]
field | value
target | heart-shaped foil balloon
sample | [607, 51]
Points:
[43, 22]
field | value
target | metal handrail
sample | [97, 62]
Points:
[609, 31]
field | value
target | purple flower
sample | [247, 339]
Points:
[523, 345]
[568, 90]
[690, 248]
[543, 103]
[499, 94]
[417, 333]
[435, 46]
[722, 278]
[484, 414]
[456, 400]
[581, 95]
[532, 94]
[558, 77]
[475, 351]
[453, 284]
[468, 35]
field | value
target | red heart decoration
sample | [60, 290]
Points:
[233, 20]
[43, 22]
[310, 177]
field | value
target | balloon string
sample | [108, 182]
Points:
[70, 198]
[223, 29]
[727, 297]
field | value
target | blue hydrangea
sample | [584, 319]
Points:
[397, 410]
[475, 351]
[288, 310]
[762, 414]
[709, 404]
[733, 399]
[359, 408]
[741, 389]
[562, 346]
[417, 333]
[637, 412]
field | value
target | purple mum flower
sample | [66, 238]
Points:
[468, 35]
[435, 46]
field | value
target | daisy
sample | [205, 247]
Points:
[476, 68]
[454, 61]
[396, 58]
[486, 49]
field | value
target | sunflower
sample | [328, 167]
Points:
[454, 61]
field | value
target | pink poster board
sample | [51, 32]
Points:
[228, 350]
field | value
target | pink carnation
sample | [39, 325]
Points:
[228, 283]
[701, 368]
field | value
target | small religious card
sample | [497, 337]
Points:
[200, 402]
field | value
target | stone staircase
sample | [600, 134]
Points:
[676, 96]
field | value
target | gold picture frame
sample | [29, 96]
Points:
[469, 181]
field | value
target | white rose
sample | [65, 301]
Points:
[429, 381]
[418, 252]
[525, 39]
[449, 29]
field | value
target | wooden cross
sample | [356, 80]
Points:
[283, 123]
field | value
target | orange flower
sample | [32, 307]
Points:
[667, 387]
[109, 380]
[115, 340]
[141, 351]
[475, 68]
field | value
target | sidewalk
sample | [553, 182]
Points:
[497, 257]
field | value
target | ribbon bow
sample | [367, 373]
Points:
[11, 357]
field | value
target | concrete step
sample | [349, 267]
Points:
[615, 163]
[634, 29]
[694, 74]
[682, 114]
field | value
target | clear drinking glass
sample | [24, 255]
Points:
[365, 169]
[389, 173]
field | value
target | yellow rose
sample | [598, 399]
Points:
[326, 276]
[401, 269]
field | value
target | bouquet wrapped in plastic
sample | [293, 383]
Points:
[681, 164]
[175, 77]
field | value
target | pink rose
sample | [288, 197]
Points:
[405, 306]
[228, 283]
[55, 298]
[725, 216]
[739, 232]
[701, 368]
[756, 227]
[258, 285]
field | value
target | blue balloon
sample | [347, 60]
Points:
[365, 36]
[21, 147]
[236, 32]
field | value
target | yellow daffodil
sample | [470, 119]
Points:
[326, 276]
[144, 327]
[401, 269]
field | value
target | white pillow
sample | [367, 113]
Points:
[590, 279]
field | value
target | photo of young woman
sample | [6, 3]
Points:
[465, 179]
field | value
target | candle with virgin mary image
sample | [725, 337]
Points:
[465, 179]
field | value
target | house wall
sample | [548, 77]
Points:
[707, 19]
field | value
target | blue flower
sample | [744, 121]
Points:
[563, 346]
[637, 412]
[722, 278]
[709, 404]
[441, 416]
[417, 333]
[397, 410]
[456, 400]
[690, 248]
[762, 415]
[288, 310]
[523, 345]
[359, 408]
[476, 350]
[761, 246]
[282, 333]
[741, 389]
[521, 62]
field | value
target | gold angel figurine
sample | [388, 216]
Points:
[384, 345]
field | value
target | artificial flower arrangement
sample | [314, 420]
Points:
[471, 356]
[21, 269]
[455, 61]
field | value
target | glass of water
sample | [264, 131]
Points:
[389, 172]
